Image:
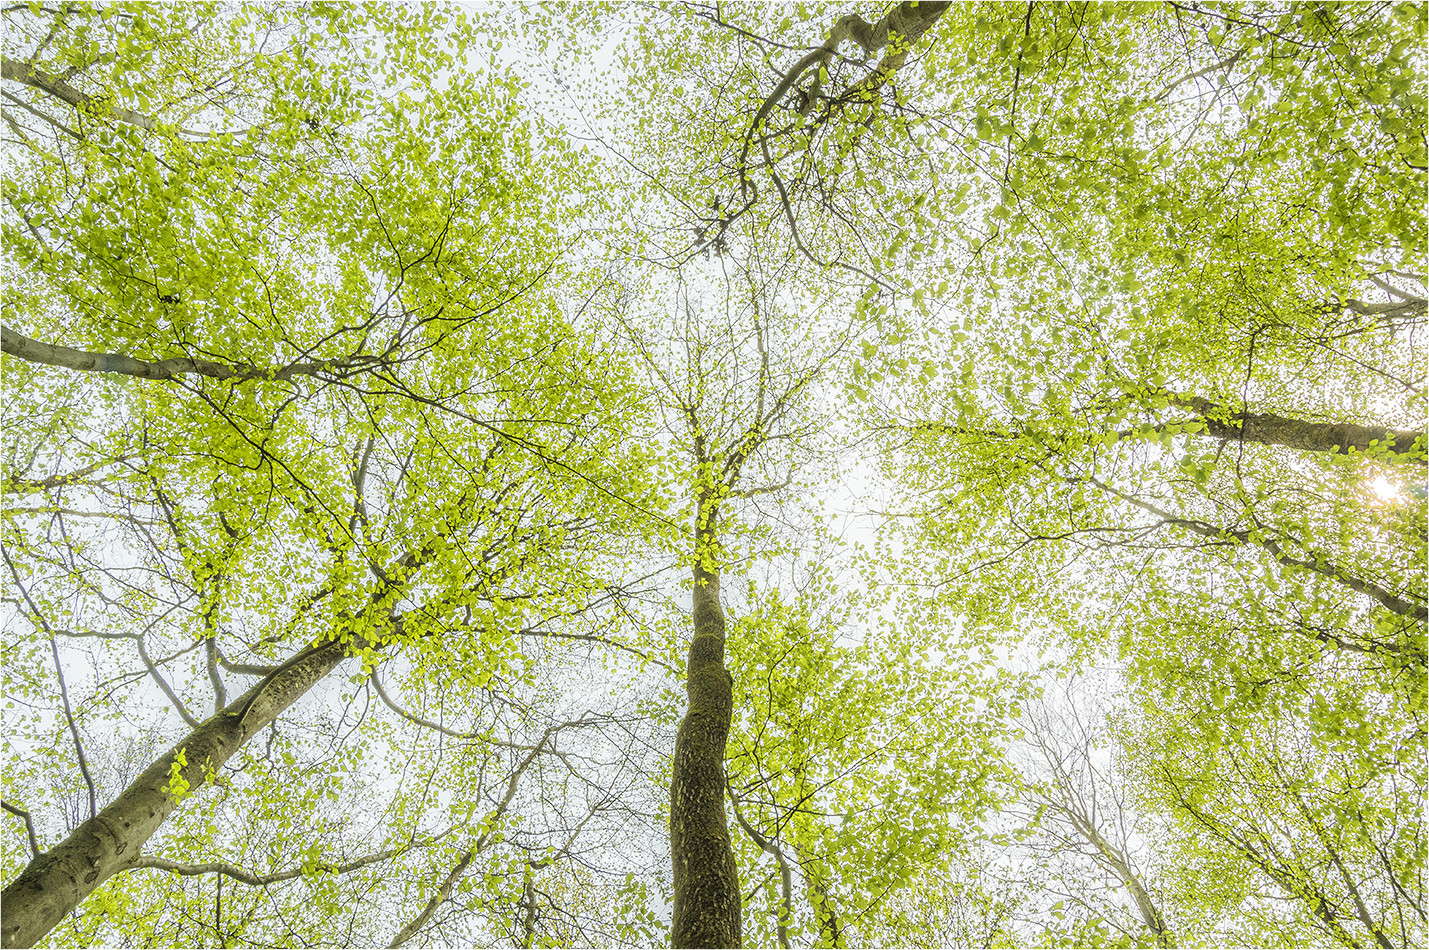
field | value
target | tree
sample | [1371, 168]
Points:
[1081, 811]
[1164, 366]
[735, 391]
[494, 535]
[858, 761]
[1301, 791]
[322, 351]
[410, 484]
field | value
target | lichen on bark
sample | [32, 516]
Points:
[707, 898]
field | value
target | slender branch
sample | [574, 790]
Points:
[604, 641]
[40, 115]
[259, 880]
[761, 490]
[76, 513]
[413, 717]
[40, 620]
[73, 729]
[1317, 564]
[17, 484]
[786, 876]
[153, 668]
[220, 695]
[29, 827]
[1226, 63]
[445, 888]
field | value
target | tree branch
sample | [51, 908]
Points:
[29, 827]
[17, 484]
[786, 876]
[42, 623]
[260, 880]
[120, 364]
[1319, 565]
[490, 823]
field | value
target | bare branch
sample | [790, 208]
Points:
[1318, 564]
[42, 623]
[18, 484]
[260, 880]
[29, 827]
[786, 878]
[492, 821]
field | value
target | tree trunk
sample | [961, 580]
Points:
[54, 883]
[1269, 429]
[1120, 864]
[120, 364]
[707, 899]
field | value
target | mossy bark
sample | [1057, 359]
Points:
[1270, 429]
[707, 899]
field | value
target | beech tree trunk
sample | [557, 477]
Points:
[120, 364]
[54, 883]
[707, 898]
[1269, 429]
[1146, 907]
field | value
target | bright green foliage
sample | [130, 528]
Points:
[1163, 266]
[394, 438]
[1312, 790]
[1135, 267]
[1125, 302]
[864, 765]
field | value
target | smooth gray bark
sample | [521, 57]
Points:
[54, 883]
[36, 78]
[1120, 864]
[49, 354]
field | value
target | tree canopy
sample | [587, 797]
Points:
[715, 474]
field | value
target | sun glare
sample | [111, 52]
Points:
[1385, 489]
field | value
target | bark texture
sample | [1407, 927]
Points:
[49, 354]
[902, 27]
[707, 898]
[1270, 429]
[56, 881]
[897, 33]
[36, 78]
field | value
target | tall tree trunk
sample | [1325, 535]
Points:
[707, 899]
[1269, 429]
[54, 883]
